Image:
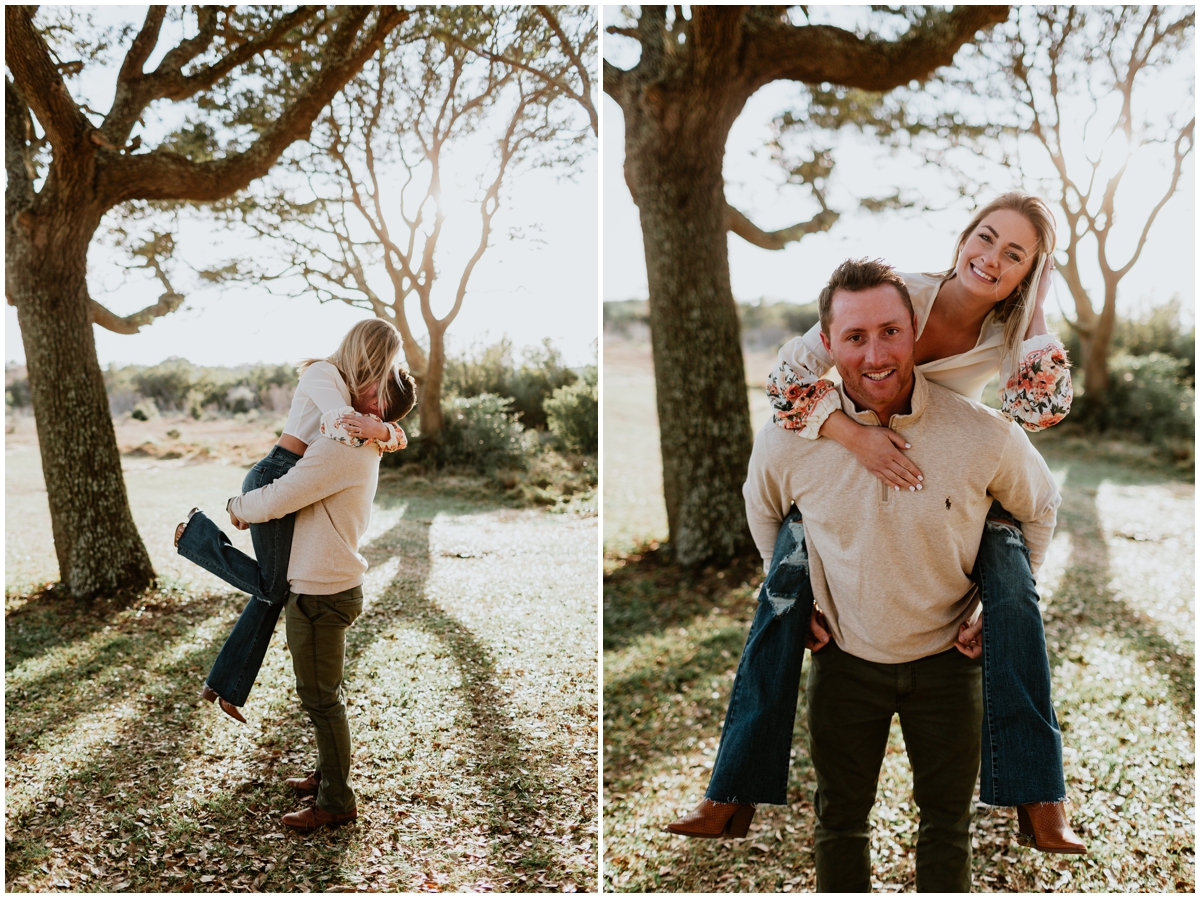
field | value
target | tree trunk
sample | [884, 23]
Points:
[674, 151]
[98, 547]
[429, 407]
[1095, 373]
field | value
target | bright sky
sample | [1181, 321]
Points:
[755, 184]
[544, 285]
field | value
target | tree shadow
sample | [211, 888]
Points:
[1086, 597]
[501, 757]
[51, 618]
[647, 592]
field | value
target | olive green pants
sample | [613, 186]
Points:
[850, 706]
[316, 635]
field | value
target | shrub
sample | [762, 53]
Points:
[491, 369]
[167, 383]
[1149, 398]
[573, 414]
[146, 410]
[482, 433]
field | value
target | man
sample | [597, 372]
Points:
[331, 489]
[891, 574]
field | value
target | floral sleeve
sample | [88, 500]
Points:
[331, 428]
[1039, 394]
[800, 403]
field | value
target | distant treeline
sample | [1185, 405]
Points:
[528, 379]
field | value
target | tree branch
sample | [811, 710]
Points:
[163, 174]
[41, 84]
[131, 324]
[775, 50]
[753, 234]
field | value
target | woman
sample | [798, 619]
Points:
[982, 316]
[339, 397]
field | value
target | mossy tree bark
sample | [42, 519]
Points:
[679, 102]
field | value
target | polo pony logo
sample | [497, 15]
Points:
[947, 503]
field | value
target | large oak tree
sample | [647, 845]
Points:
[69, 165]
[679, 101]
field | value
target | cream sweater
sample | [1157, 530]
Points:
[892, 569]
[331, 489]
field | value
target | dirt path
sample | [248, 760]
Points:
[471, 690]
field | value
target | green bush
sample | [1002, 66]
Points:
[1149, 398]
[482, 433]
[573, 414]
[492, 369]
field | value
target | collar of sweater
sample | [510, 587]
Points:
[920, 397]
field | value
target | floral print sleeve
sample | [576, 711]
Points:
[800, 403]
[1039, 394]
[332, 428]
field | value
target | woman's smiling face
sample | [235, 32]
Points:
[997, 255]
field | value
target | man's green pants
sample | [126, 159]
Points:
[316, 635]
[850, 706]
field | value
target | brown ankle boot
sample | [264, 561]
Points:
[714, 819]
[1044, 826]
[310, 783]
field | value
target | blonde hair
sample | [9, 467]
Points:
[1016, 309]
[367, 355]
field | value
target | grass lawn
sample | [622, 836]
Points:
[471, 689]
[1118, 604]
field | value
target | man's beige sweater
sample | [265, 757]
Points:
[891, 569]
[331, 489]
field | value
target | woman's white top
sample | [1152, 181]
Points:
[321, 398]
[1036, 396]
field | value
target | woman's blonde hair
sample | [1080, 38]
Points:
[368, 354]
[1016, 309]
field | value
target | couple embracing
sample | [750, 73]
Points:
[307, 504]
[901, 524]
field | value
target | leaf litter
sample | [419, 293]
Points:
[471, 693]
[1119, 617]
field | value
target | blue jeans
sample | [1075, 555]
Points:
[264, 577]
[1022, 745]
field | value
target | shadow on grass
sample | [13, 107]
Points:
[499, 754]
[115, 796]
[1087, 599]
[50, 618]
[646, 592]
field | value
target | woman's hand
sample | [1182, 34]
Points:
[364, 428]
[818, 631]
[1037, 324]
[970, 638]
[878, 449]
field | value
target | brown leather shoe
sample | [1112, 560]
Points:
[310, 783]
[210, 695]
[314, 818]
[1044, 826]
[714, 819]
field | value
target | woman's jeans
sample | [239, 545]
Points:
[1021, 742]
[264, 577]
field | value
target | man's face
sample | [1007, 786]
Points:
[871, 340]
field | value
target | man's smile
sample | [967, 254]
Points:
[879, 375]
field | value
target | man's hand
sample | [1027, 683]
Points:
[970, 638]
[235, 520]
[818, 631]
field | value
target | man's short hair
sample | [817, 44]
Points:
[855, 275]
